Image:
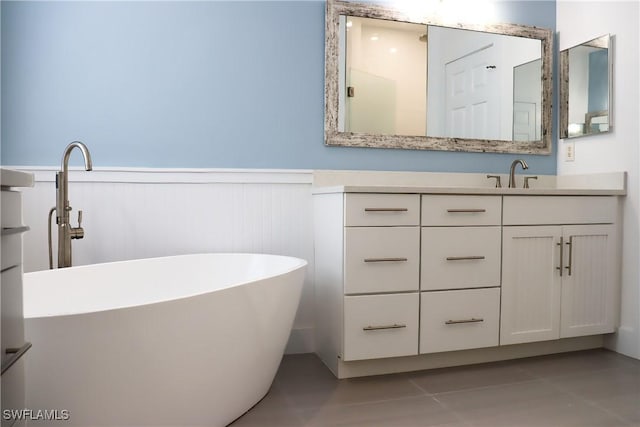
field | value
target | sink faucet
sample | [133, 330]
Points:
[65, 231]
[512, 172]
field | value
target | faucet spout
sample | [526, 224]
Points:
[88, 165]
[65, 231]
[512, 171]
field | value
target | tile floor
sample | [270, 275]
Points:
[587, 388]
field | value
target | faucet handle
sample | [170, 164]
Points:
[497, 178]
[77, 232]
[526, 180]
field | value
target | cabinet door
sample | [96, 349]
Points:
[588, 282]
[531, 287]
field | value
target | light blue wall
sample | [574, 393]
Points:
[192, 84]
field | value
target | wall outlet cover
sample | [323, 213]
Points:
[570, 151]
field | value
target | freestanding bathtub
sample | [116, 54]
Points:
[191, 340]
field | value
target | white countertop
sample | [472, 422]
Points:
[607, 184]
[13, 178]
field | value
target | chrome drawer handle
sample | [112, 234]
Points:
[464, 258]
[570, 244]
[16, 353]
[456, 322]
[466, 210]
[386, 260]
[378, 328]
[386, 209]
[561, 255]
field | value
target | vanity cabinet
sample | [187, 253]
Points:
[558, 280]
[406, 281]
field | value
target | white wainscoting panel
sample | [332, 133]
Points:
[253, 212]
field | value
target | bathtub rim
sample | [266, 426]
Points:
[296, 264]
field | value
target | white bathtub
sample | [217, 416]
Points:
[192, 340]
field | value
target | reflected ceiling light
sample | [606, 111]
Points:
[448, 11]
[393, 50]
[374, 37]
[349, 24]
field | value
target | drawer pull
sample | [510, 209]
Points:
[456, 322]
[561, 255]
[386, 209]
[464, 258]
[386, 260]
[466, 210]
[16, 354]
[378, 328]
[570, 244]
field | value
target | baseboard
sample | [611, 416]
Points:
[465, 357]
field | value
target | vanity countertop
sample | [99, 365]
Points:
[469, 190]
[608, 184]
[13, 178]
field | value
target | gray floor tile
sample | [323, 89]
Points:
[469, 377]
[575, 363]
[592, 388]
[348, 391]
[534, 403]
[603, 384]
[272, 411]
[626, 407]
[409, 412]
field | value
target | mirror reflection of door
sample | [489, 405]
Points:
[371, 108]
[527, 110]
[472, 95]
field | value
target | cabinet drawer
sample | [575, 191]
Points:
[380, 326]
[381, 259]
[548, 210]
[381, 209]
[460, 210]
[459, 320]
[460, 257]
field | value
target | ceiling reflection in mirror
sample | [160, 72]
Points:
[397, 84]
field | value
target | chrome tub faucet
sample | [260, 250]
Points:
[65, 231]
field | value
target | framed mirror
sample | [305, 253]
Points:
[586, 88]
[395, 81]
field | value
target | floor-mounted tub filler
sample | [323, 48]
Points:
[191, 340]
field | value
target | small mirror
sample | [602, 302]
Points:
[585, 88]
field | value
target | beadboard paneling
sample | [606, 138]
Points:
[130, 220]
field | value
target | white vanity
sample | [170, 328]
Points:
[420, 276]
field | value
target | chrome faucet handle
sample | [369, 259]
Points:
[497, 178]
[526, 180]
[77, 232]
